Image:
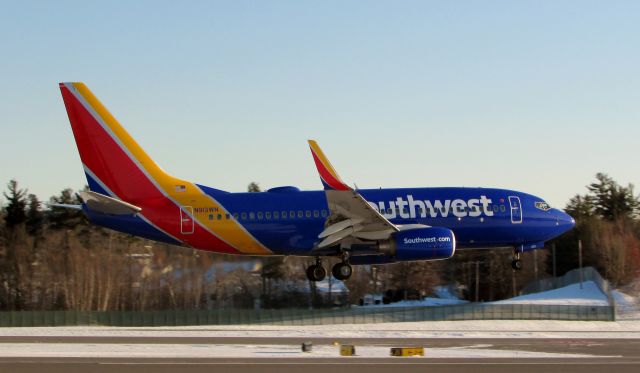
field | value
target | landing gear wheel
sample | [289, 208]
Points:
[342, 271]
[316, 272]
[516, 264]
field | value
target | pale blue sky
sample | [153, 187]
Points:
[537, 96]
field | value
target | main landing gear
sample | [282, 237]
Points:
[316, 272]
[516, 263]
[341, 271]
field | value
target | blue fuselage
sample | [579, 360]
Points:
[507, 218]
[288, 221]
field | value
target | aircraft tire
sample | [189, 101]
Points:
[516, 264]
[316, 272]
[342, 271]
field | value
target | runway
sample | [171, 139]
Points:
[163, 354]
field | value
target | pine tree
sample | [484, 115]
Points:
[62, 218]
[606, 223]
[611, 200]
[15, 213]
[253, 187]
[35, 217]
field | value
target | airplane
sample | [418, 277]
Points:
[130, 193]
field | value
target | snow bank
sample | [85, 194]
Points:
[426, 302]
[589, 295]
[624, 300]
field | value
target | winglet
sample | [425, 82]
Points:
[328, 174]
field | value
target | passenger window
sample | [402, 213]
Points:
[503, 208]
[210, 216]
[284, 214]
[260, 216]
[307, 214]
[252, 216]
[219, 216]
[235, 215]
[244, 216]
[292, 214]
[300, 214]
[276, 215]
[324, 213]
[227, 216]
[495, 208]
[268, 215]
[316, 213]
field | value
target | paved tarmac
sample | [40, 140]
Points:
[621, 355]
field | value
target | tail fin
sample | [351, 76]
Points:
[113, 161]
[328, 175]
[117, 167]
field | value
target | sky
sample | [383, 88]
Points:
[536, 96]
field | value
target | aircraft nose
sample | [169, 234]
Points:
[564, 221]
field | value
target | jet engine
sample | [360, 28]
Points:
[429, 243]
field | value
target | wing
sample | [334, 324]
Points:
[352, 217]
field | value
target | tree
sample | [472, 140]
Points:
[606, 223]
[63, 218]
[272, 270]
[253, 187]
[611, 200]
[580, 206]
[35, 217]
[16, 205]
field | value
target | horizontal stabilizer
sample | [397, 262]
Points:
[65, 206]
[108, 205]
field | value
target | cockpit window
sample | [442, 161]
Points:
[543, 206]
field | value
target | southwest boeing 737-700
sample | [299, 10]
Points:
[129, 192]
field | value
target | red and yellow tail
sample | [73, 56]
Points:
[109, 153]
[118, 167]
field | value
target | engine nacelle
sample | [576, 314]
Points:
[420, 244]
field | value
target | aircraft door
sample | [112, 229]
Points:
[516, 209]
[187, 225]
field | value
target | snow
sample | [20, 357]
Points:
[589, 295]
[110, 350]
[572, 294]
[445, 292]
[623, 300]
[627, 306]
[406, 330]
[430, 302]
[409, 332]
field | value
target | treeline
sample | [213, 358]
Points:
[52, 259]
[608, 224]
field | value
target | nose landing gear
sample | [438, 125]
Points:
[516, 263]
